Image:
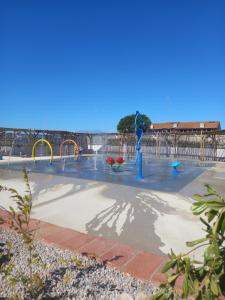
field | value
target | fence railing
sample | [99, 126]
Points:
[168, 151]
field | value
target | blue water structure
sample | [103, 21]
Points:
[175, 164]
[139, 123]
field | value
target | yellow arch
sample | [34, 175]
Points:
[76, 148]
[49, 145]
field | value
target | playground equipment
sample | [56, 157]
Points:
[35, 145]
[76, 148]
[138, 122]
[175, 164]
[115, 164]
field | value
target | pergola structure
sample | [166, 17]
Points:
[201, 144]
[19, 141]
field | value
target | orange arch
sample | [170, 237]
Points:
[76, 148]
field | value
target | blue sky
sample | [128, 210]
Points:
[82, 65]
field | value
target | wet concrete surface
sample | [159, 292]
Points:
[153, 215]
[157, 172]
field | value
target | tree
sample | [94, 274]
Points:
[126, 124]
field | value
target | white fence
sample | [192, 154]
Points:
[166, 151]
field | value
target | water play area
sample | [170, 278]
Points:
[158, 173]
[112, 150]
[132, 197]
[86, 195]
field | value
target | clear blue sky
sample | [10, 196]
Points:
[82, 65]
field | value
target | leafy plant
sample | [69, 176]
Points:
[205, 279]
[20, 222]
[6, 265]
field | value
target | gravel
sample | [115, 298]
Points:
[63, 278]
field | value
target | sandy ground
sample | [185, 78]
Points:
[147, 219]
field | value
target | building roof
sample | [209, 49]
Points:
[210, 125]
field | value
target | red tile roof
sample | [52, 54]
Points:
[187, 125]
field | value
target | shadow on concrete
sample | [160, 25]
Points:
[47, 185]
[130, 219]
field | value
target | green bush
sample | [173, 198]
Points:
[32, 282]
[19, 221]
[205, 279]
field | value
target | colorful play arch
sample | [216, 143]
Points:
[35, 145]
[76, 148]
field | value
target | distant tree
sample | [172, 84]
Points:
[126, 124]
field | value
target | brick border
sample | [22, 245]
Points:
[139, 264]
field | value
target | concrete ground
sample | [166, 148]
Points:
[149, 220]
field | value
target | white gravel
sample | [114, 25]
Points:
[63, 279]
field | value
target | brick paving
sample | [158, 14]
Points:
[140, 264]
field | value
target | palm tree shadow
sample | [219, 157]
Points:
[52, 184]
[130, 219]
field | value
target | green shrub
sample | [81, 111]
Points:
[33, 282]
[203, 279]
[19, 220]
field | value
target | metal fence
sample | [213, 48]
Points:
[203, 146]
[195, 145]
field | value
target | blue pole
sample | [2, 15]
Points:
[139, 134]
[140, 175]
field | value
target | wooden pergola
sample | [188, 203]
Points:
[196, 143]
[24, 138]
